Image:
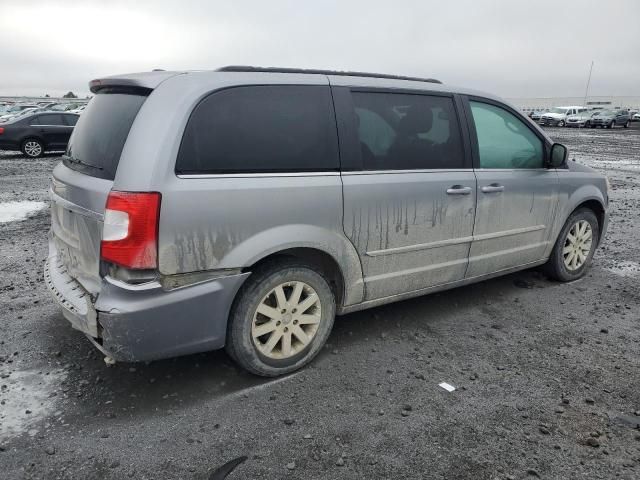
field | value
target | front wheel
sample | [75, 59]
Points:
[575, 246]
[281, 319]
[561, 123]
[626, 125]
[32, 148]
[612, 124]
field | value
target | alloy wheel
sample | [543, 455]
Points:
[577, 245]
[286, 320]
[32, 148]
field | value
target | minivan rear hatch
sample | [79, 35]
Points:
[82, 182]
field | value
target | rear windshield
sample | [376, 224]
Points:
[99, 136]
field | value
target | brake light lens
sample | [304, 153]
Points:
[1, 130]
[130, 232]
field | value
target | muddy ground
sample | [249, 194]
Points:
[547, 374]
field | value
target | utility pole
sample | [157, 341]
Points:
[588, 83]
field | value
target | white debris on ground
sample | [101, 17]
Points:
[448, 387]
[27, 398]
[14, 211]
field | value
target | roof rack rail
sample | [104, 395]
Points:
[248, 68]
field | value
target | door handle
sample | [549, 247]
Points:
[493, 188]
[458, 190]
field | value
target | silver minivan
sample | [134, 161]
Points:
[246, 207]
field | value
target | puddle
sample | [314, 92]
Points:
[14, 211]
[625, 269]
[26, 391]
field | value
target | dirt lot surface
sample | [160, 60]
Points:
[547, 375]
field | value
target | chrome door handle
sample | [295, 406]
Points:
[493, 188]
[458, 190]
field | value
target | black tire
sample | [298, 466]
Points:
[32, 147]
[240, 345]
[612, 124]
[593, 126]
[626, 125]
[587, 124]
[561, 123]
[555, 266]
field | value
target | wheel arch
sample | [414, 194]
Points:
[320, 260]
[596, 207]
[589, 197]
[317, 246]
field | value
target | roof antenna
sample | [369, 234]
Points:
[588, 83]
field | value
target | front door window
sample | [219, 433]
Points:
[504, 141]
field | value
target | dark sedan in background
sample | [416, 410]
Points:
[611, 118]
[33, 134]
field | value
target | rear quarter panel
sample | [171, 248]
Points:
[230, 222]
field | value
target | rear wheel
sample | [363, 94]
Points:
[281, 318]
[626, 125]
[32, 148]
[612, 124]
[561, 123]
[587, 124]
[575, 246]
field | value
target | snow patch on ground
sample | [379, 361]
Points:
[14, 211]
[27, 391]
[625, 269]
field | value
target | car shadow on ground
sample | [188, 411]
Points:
[141, 389]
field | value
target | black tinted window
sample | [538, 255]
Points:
[100, 134]
[71, 119]
[261, 129]
[48, 119]
[402, 131]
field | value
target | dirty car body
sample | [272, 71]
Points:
[376, 219]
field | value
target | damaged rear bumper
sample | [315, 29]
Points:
[146, 322]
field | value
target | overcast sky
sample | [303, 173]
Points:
[512, 48]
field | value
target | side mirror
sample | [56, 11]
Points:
[559, 154]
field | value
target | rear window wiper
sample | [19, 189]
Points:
[80, 162]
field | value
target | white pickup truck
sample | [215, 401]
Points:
[557, 116]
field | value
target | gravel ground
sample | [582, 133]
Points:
[547, 375]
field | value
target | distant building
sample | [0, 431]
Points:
[535, 104]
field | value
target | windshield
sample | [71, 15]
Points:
[101, 132]
[558, 110]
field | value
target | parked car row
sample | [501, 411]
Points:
[577, 116]
[9, 111]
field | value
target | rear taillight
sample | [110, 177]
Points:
[130, 233]
[1, 130]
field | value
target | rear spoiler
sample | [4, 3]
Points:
[136, 81]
